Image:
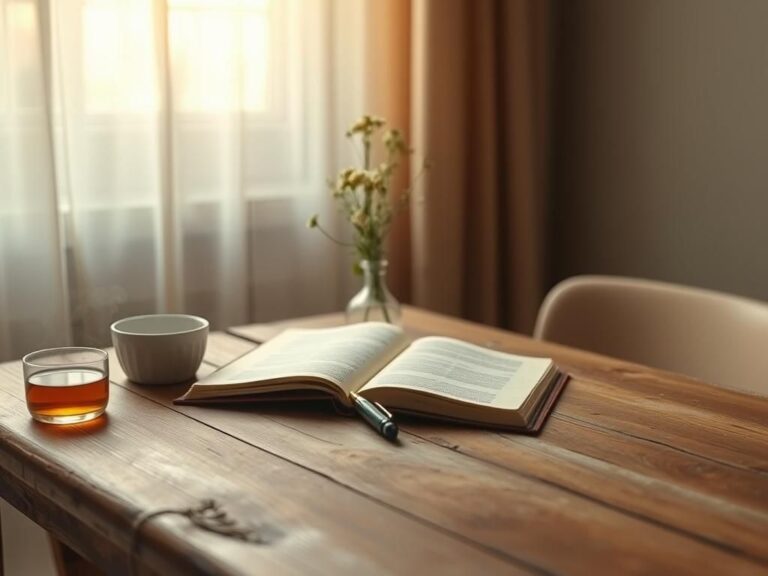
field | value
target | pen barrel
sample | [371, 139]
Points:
[376, 418]
[371, 413]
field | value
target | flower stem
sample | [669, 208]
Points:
[332, 239]
[378, 293]
[386, 312]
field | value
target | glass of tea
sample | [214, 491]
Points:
[66, 385]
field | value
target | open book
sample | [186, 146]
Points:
[435, 376]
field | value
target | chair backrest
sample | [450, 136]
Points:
[719, 338]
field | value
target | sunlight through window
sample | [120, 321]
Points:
[118, 51]
[219, 56]
[20, 45]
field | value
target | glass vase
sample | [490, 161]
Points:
[374, 302]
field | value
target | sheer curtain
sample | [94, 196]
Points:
[163, 155]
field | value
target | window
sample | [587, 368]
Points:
[235, 93]
[220, 55]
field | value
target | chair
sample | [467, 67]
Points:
[719, 338]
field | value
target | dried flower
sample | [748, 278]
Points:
[363, 194]
[359, 218]
[366, 126]
[394, 142]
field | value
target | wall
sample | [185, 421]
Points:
[660, 159]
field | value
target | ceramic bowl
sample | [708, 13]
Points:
[160, 348]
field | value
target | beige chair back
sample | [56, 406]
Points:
[715, 337]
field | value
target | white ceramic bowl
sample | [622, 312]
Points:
[160, 348]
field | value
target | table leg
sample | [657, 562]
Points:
[2, 561]
[70, 563]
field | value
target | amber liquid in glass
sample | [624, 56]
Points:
[67, 396]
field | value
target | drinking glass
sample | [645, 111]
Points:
[66, 385]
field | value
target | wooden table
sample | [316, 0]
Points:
[636, 472]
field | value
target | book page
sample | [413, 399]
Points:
[345, 356]
[463, 372]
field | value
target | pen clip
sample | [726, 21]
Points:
[380, 407]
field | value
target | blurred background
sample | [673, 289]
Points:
[164, 155]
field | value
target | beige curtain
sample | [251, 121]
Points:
[476, 71]
[388, 94]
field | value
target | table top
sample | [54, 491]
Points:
[636, 471]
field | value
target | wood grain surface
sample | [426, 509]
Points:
[637, 471]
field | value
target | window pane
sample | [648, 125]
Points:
[23, 56]
[221, 4]
[220, 55]
[256, 58]
[118, 57]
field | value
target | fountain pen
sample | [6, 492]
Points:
[376, 415]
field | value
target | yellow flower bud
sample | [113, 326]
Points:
[359, 218]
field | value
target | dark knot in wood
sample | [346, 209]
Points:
[208, 515]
